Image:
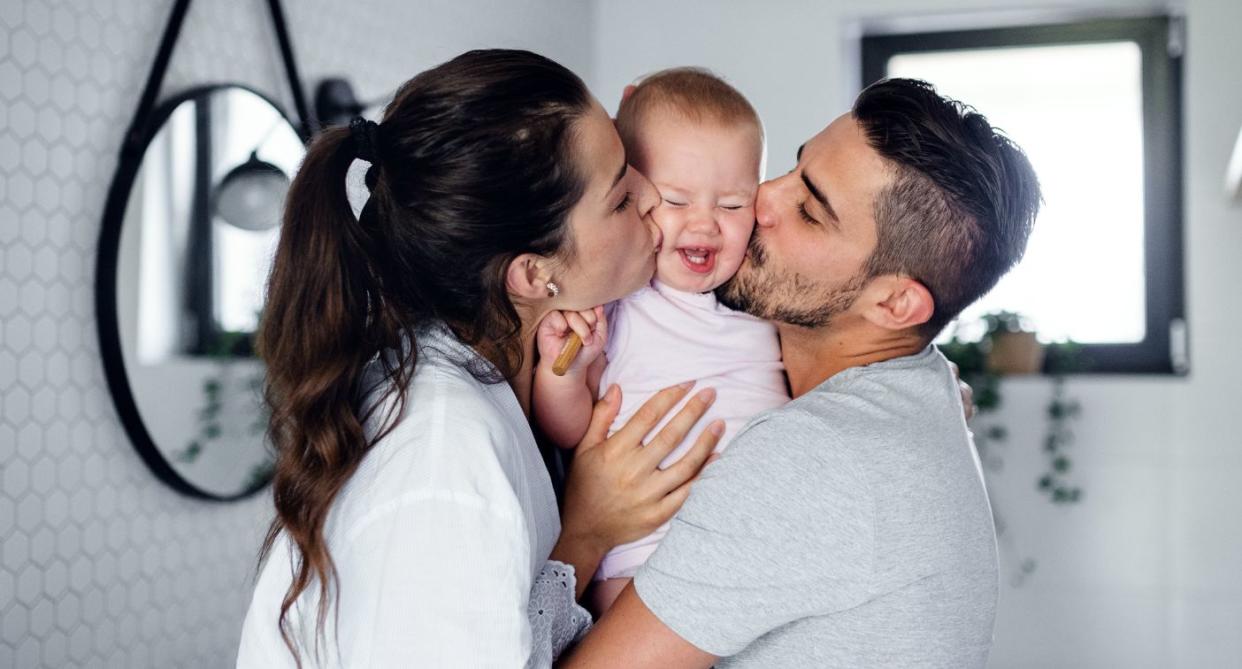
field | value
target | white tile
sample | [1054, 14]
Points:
[8, 517]
[28, 652]
[55, 648]
[68, 611]
[1206, 535]
[10, 80]
[14, 625]
[29, 585]
[1084, 628]
[55, 579]
[1205, 630]
[42, 618]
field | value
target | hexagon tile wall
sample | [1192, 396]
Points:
[102, 565]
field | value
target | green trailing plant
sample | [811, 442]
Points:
[1062, 411]
[226, 348]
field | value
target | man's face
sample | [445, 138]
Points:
[815, 229]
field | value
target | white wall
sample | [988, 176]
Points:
[1147, 570]
[101, 564]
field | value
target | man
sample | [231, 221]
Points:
[851, 527]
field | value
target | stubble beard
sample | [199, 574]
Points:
[789, 298]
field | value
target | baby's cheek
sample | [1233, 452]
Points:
[737, 229]
[668, 219]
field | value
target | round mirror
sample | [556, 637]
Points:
[189, 232]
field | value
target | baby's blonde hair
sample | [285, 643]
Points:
[695, 93]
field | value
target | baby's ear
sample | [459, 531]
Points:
[625, 94]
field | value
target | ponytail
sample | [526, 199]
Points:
[323, 323]
[472, 166]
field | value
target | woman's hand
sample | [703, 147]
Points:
[968, 393]
[591, 326]
[616, 491]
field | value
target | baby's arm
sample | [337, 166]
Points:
[562, 404]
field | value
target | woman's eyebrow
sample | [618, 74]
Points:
[625, 166]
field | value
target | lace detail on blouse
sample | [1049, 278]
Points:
[556, 619]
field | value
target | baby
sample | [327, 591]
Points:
[701, 144]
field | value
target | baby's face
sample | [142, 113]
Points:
[707, 175]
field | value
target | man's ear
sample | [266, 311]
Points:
[527, 277]
[897, 302]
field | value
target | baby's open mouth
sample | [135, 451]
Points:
[698, 259]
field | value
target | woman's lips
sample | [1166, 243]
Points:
[698, 260]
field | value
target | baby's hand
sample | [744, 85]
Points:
[591, 326]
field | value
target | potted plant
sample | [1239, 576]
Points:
[1009, 346]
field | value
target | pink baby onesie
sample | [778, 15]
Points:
[659, 337]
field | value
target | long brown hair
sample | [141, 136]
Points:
[473, 167]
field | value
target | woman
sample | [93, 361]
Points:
[415, 522]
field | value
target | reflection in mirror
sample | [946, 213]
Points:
[198, 234]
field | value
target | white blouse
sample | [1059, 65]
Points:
[440, 540]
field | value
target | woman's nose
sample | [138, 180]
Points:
[644, 193]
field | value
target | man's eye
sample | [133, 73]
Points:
[806, 216]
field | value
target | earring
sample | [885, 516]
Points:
[553, 289]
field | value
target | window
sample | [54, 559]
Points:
[1096, 107]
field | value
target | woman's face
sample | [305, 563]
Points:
[614, 237]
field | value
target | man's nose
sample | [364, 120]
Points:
[766, 204]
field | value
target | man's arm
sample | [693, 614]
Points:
[777, 530]
[630, 635]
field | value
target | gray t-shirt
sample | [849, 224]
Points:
[849, 528]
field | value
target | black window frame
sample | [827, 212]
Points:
[1163, 349]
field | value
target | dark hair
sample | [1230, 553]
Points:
[957, 215]
[473, 167]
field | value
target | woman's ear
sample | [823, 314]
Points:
[527, 277]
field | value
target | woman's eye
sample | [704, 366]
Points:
[805, 216]
[625, 203]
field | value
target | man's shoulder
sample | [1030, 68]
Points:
[788, 457]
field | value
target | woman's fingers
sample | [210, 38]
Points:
[651, 413]
[688, 467]
[676, 429]
[602, 415]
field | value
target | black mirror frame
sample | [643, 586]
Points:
[147, 121]
[106, 266]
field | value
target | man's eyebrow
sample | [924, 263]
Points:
[819, 196]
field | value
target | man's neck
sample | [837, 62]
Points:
[812, 356]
